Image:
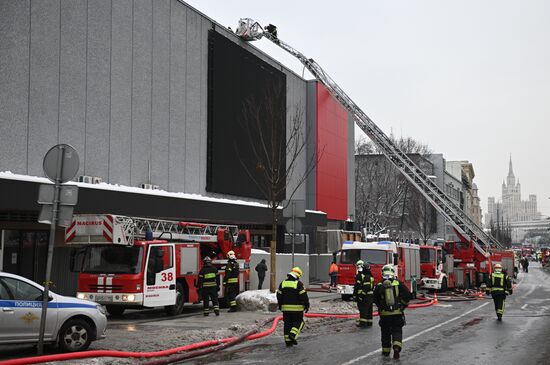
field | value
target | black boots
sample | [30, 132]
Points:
[396, 351]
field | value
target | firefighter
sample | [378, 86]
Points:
[363, 293]
[209, 285]
[293, 301]
[391, 297]
[499, 285]
[231, 281]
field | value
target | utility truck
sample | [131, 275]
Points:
[132, 262]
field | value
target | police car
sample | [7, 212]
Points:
[71, 323]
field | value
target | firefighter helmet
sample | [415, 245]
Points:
[231, 255]
[388, 271]
[207, 260]
[296, 272]
[360, 263]
[498, 267]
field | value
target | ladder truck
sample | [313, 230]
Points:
[477, 243]
[132, 262]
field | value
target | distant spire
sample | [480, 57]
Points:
[510, 169]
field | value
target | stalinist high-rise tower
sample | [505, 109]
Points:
[511, 208]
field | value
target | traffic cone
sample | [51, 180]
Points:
[435, 298]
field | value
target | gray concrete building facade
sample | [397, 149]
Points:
[124, 82]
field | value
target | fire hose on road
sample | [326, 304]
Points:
[194, 350]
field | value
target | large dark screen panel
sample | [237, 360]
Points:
[246, 116]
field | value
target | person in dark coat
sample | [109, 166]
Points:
[261, 268]
[231, 280]
[209, 284]
[499, 285]
[363, 293]
[293, 302]
[391, 297]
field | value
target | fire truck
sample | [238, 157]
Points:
[507, 259]
[437, 268]
[472, 255]
[131, 262]
[405, 257]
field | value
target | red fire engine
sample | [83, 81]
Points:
[130, 262]
[404, 256]
[471, 258]
[437, 269]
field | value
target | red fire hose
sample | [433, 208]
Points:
[219, 344]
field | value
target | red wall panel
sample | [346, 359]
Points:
[332, 147]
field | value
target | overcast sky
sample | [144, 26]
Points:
[471, 79]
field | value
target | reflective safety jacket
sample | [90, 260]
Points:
[400, 293]
[208, 277]
[364, 284]
[292, 296]
[499, 283]
[231, 272]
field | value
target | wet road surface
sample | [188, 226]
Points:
[458, 333]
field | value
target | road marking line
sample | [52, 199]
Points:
[524, 306]
[533, 287]
[352, 361]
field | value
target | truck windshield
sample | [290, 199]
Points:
[377, 257]
[350, 256]
[112, 260]
[427, 255]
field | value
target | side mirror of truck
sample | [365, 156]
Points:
[395, 258]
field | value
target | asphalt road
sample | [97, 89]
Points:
[449, 333]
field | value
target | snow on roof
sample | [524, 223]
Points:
[354, 245]
[8, 175]
[257, 251]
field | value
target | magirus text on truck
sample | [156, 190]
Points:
[132, 262]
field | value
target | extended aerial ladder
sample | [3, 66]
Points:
[118, 229]
[250, 30]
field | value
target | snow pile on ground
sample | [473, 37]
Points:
[333, 306]
[257, 300]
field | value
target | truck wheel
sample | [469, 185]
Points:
[174, 310]
[75, 335]
[115, 310]
[444, 285]
[346, 297]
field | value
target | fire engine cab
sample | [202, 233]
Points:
[130, 262]
[437, 268]
[404, 256]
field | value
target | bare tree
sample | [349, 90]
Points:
[276, 152]
[384, 197]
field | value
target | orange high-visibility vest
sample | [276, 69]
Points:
[333, 268]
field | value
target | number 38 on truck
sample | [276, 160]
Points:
[131, 262]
